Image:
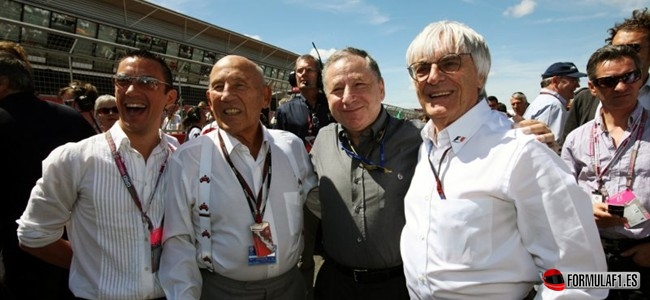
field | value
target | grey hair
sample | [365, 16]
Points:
[451, 37]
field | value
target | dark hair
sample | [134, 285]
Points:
[193, 117]
[611, 52]
[639, 21]
[15, 66]
[144, 53]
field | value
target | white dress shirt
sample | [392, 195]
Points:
[550, 108]
[512, 211]
[82, 188]
[230, 214]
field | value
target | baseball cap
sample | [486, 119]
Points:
[563, 69]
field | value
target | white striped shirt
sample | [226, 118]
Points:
[82, 189]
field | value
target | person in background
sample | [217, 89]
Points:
[173, 121]
[633, 31]
[502, 108]
[194, 120]
[519, 104]
[106, 191]
[559, 81]
[205, 109]
[307, 112]
[81, 96]
[232, 231]
[609, 159]
[29, 129]
[493, 238]
[493, 102]
[106, 112]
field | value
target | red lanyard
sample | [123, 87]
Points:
[257, 204]
[593, 153]
[129, 183]
[441, 191]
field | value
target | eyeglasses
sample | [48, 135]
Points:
[612, 81]
[107, 110]
[636, 47]
[124, 81]
[448, 64]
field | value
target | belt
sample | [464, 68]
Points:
[616, 246]
[360, 275]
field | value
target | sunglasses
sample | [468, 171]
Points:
[106, 110]
[124, 81]
[611, 81]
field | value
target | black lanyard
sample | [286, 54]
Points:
[441, 191]
[593, 153]
[129, 183]
[257, 204]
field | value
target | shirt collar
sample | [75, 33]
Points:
[122, 140]
[233, 143]
[633, 119]
[458, 133]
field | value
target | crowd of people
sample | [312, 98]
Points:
[472, 203]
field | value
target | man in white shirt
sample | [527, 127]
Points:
[232, 231]
[489, 210]
[558, 83]
[107, 189]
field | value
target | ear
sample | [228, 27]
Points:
[267, 96]
[172, 95]
[382, 89]
[592, 89]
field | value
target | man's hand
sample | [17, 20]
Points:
[539, 129]
[640, 254]
[605, 219]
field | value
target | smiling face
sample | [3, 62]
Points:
[445, 97]
[237, 96]
[622, 96]
[141, 107]
[354, 93]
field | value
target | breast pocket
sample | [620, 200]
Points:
[462, 231]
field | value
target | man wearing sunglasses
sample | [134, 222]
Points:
[558, 83]
[107, 191]
[106, 112]
[609, 157]
[634, 32]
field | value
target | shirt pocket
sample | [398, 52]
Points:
[462, 231]
[294, 212]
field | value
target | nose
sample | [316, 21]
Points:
[435, 75]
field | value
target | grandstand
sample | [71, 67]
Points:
[84, 39]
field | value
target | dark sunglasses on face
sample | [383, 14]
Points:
[107, 110]
[612, 81]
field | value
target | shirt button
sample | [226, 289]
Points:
[359, 240]
[427, 198]
[356, 181]
[146, 269]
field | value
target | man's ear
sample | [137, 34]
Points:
[267, 96]
[5, 87]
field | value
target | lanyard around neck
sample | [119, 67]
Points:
[257, 205]
[439, 187]
[129, 183]
[366, 163]
[638, 128]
